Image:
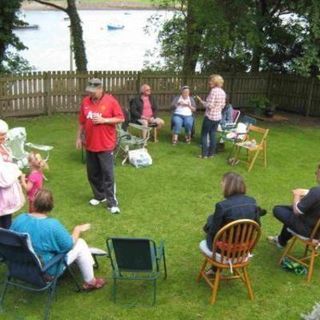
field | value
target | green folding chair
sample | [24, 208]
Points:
[126, 141]
[135, 259]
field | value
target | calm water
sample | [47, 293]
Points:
[49, 46]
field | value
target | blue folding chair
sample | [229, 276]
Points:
[25, 270]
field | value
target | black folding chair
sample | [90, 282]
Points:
[25, 270]
[135, 259]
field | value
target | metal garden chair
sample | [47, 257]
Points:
[127, 141]
[232, 248]
[25, 270]
[17, 142]
[135, 259]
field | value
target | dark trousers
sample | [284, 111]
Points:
[290, 220]
[5, 221]
[101, 176]
[209, 128]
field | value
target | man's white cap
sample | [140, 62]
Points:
[93, 85]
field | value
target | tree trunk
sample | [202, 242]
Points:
[77, 37]
[193, 41]
[255, 61]
[76, 31]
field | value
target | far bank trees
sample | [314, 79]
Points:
[243, 35]
[10, 61]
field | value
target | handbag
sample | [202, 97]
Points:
[140, 158]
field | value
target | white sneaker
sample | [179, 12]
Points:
[95, 202]
[274, 240]
[114, 210]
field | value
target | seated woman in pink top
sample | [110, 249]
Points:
[143, 109]
[34, 181]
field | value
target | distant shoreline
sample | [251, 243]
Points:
[125, 5]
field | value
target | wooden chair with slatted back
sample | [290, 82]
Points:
[311, 249]
[253, 150]
[154, 130]
[232, 249]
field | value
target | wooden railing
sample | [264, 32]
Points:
[50, 92]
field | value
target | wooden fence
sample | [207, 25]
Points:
[50, 92]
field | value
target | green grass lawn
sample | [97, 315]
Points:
[171, 200]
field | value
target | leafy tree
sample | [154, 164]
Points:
[308, 63]
[10, 62]
[76, 31]
[242, 35]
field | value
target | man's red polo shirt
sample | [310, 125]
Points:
[100, 137]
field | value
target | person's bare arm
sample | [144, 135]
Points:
[79, 136]
[98, 119]
[79, 229]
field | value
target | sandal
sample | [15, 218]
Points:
[174, 142]
[188, 140]
[97, 283]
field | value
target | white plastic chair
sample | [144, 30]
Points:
[16, 142]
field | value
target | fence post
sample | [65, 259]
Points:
[269, 85]
[138, 84]
[47, 97]
[309, 99]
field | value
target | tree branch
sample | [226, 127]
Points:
[276, 8]
[46, 3]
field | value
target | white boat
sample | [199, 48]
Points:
[114, 26]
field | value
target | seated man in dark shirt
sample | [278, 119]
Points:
[143, 109]
[301, 217]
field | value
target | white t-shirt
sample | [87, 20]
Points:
[182, 107]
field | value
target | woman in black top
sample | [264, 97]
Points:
[235, 206]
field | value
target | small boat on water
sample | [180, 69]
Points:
[26, 27]
[114, 26]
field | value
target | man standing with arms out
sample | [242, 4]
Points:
[99, 113]
[143, 109]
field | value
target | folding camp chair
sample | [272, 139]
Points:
[25, 270]
[135, 259]
[231, 249]
[248, 120]
[230, 125]
[255, 144]
[228, 128]
[126, 141]
[311, 249]
[16, 142]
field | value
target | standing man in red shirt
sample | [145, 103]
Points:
[99, 113]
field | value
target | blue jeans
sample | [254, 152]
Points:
[179, 121]
[208, 132]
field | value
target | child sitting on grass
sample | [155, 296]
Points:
[34, 181]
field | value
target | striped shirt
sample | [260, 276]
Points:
[215, 102]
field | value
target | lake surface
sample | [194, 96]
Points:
[49, 46]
